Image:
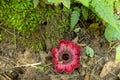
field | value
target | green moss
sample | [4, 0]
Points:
[21, 16]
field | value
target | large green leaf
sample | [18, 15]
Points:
[117, 5]
[104, 9]
[84, 2]
[111, 33]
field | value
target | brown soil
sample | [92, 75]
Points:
[18, 63]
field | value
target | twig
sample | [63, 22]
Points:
[48, 64]
[98, 60]
[1, 23]
[7, 31]
[29, 65]
[82, 23]
[15, 39]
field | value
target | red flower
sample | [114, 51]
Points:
[66, 58]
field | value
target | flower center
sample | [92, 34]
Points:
[65, 57]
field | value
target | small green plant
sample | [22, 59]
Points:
[74, 17]
[89, 51]
[0, 37]
[41, 68]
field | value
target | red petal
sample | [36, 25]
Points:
[76, 65]
[75, 62]
[78, 50]
[73, 49]
[54, 52]
[59, 67]
[62, 43]
[74, 57]
[55, 60]
[69, 68]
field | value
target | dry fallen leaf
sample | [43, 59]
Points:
[91, 62]
[75, 40]
[107, 68]
[87, 77]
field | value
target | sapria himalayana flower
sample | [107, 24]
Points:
[66, 58]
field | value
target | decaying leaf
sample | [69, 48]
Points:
[91, 62]
[94, 26]
[107, 68]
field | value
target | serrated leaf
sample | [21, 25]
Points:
[41, 68]
[84, 12]
[89, 51]
[118, 53]
[84, 2]
[66, 3]
[35, 2]
[74, 18]
[111, 34]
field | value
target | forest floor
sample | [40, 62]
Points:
[24, 64]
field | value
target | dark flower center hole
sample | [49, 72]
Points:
[65, 56]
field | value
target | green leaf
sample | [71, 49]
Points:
[84, 2]
[118, 53]
[41, 68]
[35, 2]
[111, 33]
[104, 9]
[89, 51]
[77, 29]
[117, 5]
[56, 2]
[66, 3]
[74, 17]
[84, 12]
